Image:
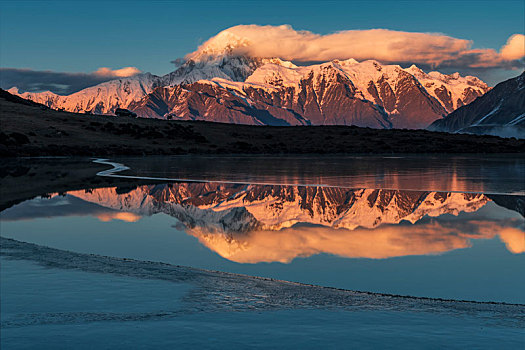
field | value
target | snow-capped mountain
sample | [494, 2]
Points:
[339, 92]
[226, 67]
[46, 98]
[103, 98]
[216, 59]
[500, 111]
[453, 91]
[106, 97]
[218, 83]
[322, 96]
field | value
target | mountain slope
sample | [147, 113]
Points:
[501, 110]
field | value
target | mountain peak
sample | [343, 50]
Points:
[14, 91]
[415, 70]
[222, 44]
[279, 62]
[348, 62]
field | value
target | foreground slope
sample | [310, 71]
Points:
[35, 130]
[500, 111]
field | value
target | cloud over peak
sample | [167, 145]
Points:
[386, 46]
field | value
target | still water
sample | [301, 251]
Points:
[464, 173]
[408, 226]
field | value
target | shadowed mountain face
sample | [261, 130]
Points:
[501, 111]
[254, 223]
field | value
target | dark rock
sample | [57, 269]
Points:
[121, 112]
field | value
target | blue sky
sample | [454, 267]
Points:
[76, 36]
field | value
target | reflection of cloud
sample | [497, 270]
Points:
[59, 82]
[255, 223]
[123, 216]
[384, 242]
[514, 239]
[387, 46]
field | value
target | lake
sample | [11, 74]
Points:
[420, 226]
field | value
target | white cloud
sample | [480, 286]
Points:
[120, 73]
[386, 46]
[514, 49]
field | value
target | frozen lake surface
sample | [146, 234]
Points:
[89, 301]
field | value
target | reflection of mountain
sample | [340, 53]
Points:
[516, 203]
[236, 208]
[253, 223]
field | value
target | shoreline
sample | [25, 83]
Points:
[120, 167]
[22, 180]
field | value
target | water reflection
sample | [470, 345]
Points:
[380, 243]
[469, 173]
[263, 223]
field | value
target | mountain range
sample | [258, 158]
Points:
[365, 94]
[214, 84]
